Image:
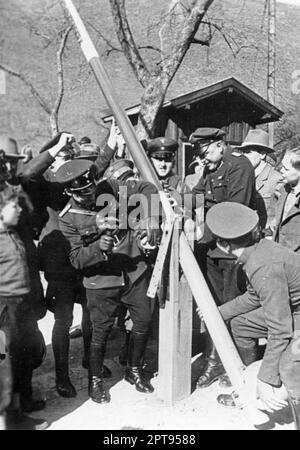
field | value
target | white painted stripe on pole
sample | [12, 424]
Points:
[86, 43]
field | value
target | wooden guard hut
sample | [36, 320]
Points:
[227, 104]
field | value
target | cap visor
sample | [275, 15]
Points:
[12, 155]
[254, 145]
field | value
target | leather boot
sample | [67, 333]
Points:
[87, 337]
[123, 355]
[295, 406]
[16, 420]
[133, 371]
[97, 391]
[213, 368]
[60, 344]
[248, 356]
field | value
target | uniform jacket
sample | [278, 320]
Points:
[14, 273]
[287, 231]
[268, 183]
[273, 272]
[49, 198]
[127, 260]
[232, 181]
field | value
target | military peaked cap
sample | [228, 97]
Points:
[88, 151]
[119, 168]
[75, 169]
[207, 135]
[161, 146]
[229, 220]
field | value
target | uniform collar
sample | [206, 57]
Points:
[246, 254]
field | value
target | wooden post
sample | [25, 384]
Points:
[175, 334]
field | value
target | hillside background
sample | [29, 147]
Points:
[29, 31]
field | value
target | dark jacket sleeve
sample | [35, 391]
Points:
[241, 183]
[36, 166]
[275, 301]
[80, 256]
[138, 192]
[200, 187]
[104, 158]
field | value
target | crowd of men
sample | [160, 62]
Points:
[60, 214]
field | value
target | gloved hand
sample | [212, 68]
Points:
[27, 152]
[57, 143]
[106, 243]
[150, 229]
[173, 195]
[105, 223]
[115, 139]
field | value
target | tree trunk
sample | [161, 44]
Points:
[157, 86]
[54, 123]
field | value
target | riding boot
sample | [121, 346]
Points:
[295, 405]
[133, 371]
[248, 356]
[87, 337]
[97, 391]
[123, 355]
[60, 344]
[213, 368]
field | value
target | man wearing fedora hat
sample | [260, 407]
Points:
[13, 158]
[268, 180]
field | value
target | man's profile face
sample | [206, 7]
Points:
[255, 157]
[11, 166]
[163, 165]
[213, 154]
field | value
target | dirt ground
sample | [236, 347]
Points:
[129, 409]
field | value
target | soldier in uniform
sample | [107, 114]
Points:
[122, 170]
[269, 309]
[162, 153]
[227, 176]
[268, 180]
[112, 274]
[64, 282]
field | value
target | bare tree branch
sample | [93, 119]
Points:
[28, 83]
[107, 41]
[60, 77]
[201, 42]
[113, 48]
[127, 41]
